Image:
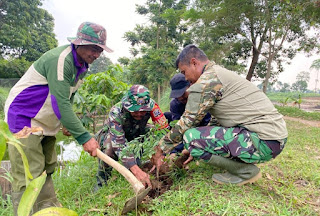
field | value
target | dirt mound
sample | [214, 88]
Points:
[165, 181]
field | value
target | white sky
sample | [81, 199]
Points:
[119, 16]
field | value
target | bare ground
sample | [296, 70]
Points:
[306, 122]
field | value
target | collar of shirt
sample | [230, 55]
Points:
[80, 68]
[203, 69]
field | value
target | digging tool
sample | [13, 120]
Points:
[138, 187]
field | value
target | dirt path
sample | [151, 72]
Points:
[307, 122]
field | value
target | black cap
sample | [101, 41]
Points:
[179, 84]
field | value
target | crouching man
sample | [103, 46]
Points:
[248, 128]
[127, 120]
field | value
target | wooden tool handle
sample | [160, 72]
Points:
[135, 183]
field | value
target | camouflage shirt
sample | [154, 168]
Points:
[233, 102]
[122, 128]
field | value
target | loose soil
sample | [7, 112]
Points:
[164, 182]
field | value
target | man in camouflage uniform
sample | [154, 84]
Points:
[247, 128]
[127, 120]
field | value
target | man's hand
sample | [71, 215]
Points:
[65, 132]
[188, 160]
[143, 177]
[91, 147]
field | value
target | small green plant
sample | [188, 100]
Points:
[143, 146]
[33, 187]
[284, 102]
[297, 101]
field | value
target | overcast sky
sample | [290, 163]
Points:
[119, 16]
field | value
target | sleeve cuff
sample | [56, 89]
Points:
[83, 138]
[129, 162]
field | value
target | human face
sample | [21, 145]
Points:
[138, 115]
[184, 98]
[192, 71]
[88, 53]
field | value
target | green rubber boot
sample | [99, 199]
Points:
[47, 197]
[237, 172]
[15, 197]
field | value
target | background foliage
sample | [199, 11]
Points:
[26, 32]
[98, 94]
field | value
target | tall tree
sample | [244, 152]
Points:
[157, 44]
[26, 30]
[267, 33]
[302, 80]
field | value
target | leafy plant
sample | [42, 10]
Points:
[33, 187]
[297, 100]
[284, 102]
[143, 146]
[98, 94]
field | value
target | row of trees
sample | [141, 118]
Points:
[252, 37]
[264, 34]
[300, 85]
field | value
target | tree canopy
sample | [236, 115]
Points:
[266, 33]
[155, 47]
[26, 32]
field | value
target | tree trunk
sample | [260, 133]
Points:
[268, 75]
[255, 58]
[159, 95]
[270, 58]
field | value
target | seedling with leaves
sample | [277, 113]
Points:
[284, 102]
[143, 146]
[297, 101]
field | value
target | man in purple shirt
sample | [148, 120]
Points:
[43, 98]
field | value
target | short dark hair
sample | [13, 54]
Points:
[190, 51]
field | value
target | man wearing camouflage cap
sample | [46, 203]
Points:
[248, 128]
[43, 98]
[127, 120]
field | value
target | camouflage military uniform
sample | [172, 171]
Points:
[121, 128]
[248, 128]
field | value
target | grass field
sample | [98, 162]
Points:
[290, 186]
[280, 96]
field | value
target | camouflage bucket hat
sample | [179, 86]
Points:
[138, 99]
[91, 34]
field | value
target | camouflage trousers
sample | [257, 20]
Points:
[235, 143]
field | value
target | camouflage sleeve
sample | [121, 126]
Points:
[202, 96]
[118, 140]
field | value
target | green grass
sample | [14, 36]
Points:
[280, 96]
[3, 96]
[290, 186]
[298, 113]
